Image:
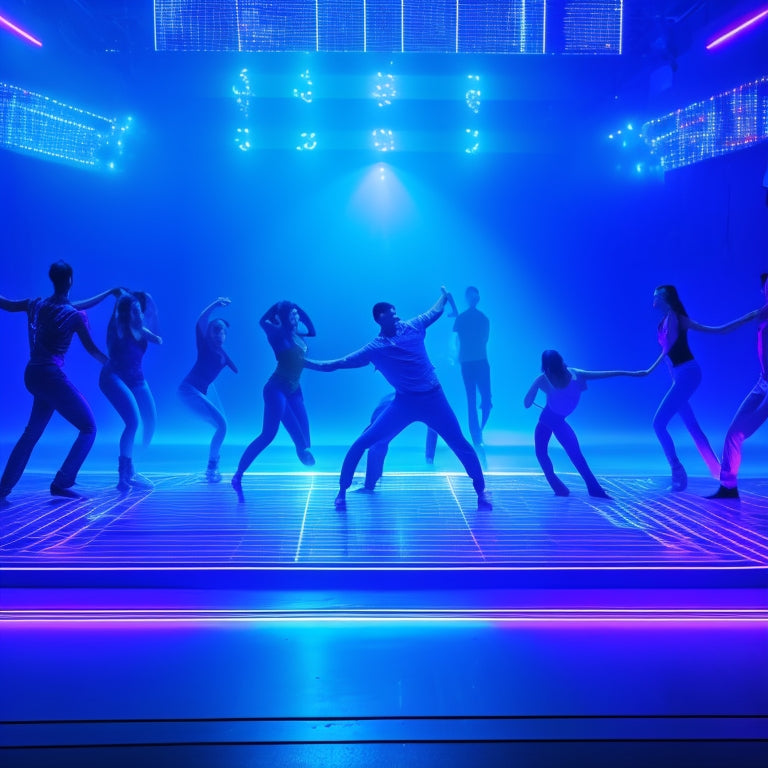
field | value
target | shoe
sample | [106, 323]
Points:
[66, 493]
[679, 478]
[429, 460]
[340, 502]
[212, 474]
[124, 472]
[237, 484]
[599, 493]
[306, 458]
[559, 487]
[365, 489]
[725, 493]
[484, 503]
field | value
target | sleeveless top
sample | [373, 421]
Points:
[209, 364]
[125, 356]
[679, 352]
[290, 362]
[563, 401]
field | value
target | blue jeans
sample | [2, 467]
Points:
[52, 391]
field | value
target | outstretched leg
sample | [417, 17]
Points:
[567, 438]
[541, 437]
[206, 409]
[296, 422]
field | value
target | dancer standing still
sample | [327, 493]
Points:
[686, 377]
[563, 387]
[122, 380]
[51, 323]
[398, 352]
[751, 414]
[283, 399]
[472, 329]
[197, 389]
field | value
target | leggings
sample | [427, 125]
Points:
[204, 407]
[477, 377]
[433, 409]
[551, 423]
[685, 379]
[279, 406]
[751, 415]
[133, 403]
[52, 391]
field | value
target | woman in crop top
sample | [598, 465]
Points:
[686, 377]
[283, 400]
[122, 379]
[197, 389]
[563, 387]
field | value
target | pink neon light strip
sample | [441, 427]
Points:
[735, 31]
[20, 32]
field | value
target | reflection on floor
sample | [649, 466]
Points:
[178, 627]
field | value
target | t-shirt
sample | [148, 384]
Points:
[50, 327]
[564, 401]
[473, 328]
[402, 358]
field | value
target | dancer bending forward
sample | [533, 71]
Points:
[283, 400]
[398, 352]
[563, 387]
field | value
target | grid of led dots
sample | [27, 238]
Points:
[426, 26]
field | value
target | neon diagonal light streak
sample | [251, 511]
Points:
[731, 33]
[20, 32]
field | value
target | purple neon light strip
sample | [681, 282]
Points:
[20, 32]
[759, 16]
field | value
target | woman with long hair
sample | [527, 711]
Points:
[283, 399]
[563, 387]
[122, 378]
[672, 333]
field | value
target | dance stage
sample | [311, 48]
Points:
[178, 626]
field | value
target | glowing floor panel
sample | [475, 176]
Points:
[414, 521]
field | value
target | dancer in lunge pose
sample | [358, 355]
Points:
[686, 377]
[122, 379]
[563, 387]
[751, 414]
[51, 324]
[283, 400]
[197, 389]
[398, 352]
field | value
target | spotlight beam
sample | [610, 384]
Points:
[731, 33]
[20, 32]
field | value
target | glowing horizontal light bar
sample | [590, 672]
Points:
[736, 30]
[20, 32]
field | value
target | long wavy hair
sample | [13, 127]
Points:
[671, 297]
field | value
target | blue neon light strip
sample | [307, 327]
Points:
[715, 126]
[438, 26]
[33, 124]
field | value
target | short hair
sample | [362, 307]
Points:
[60, 274]
[763, 278]
[381, 307]
[471, 288]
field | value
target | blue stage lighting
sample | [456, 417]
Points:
[304, 92]
[37, 125]
[307, 141]
[384, 91]
[473, 141]
[472, 96]
[383, 140]
[723, 123]
[242, 92]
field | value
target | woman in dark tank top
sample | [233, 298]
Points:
[672, 334]
[283, 400]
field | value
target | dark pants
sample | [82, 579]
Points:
[551, 423]
[477, 378]
[432, 409]
[52, 391]
[279, 406]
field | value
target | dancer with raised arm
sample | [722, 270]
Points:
[283, 399]
[563, 387]
[686, 376]
[122, 379]
[51, 323]
[398, 352]
[751, 414]
[197, 389]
